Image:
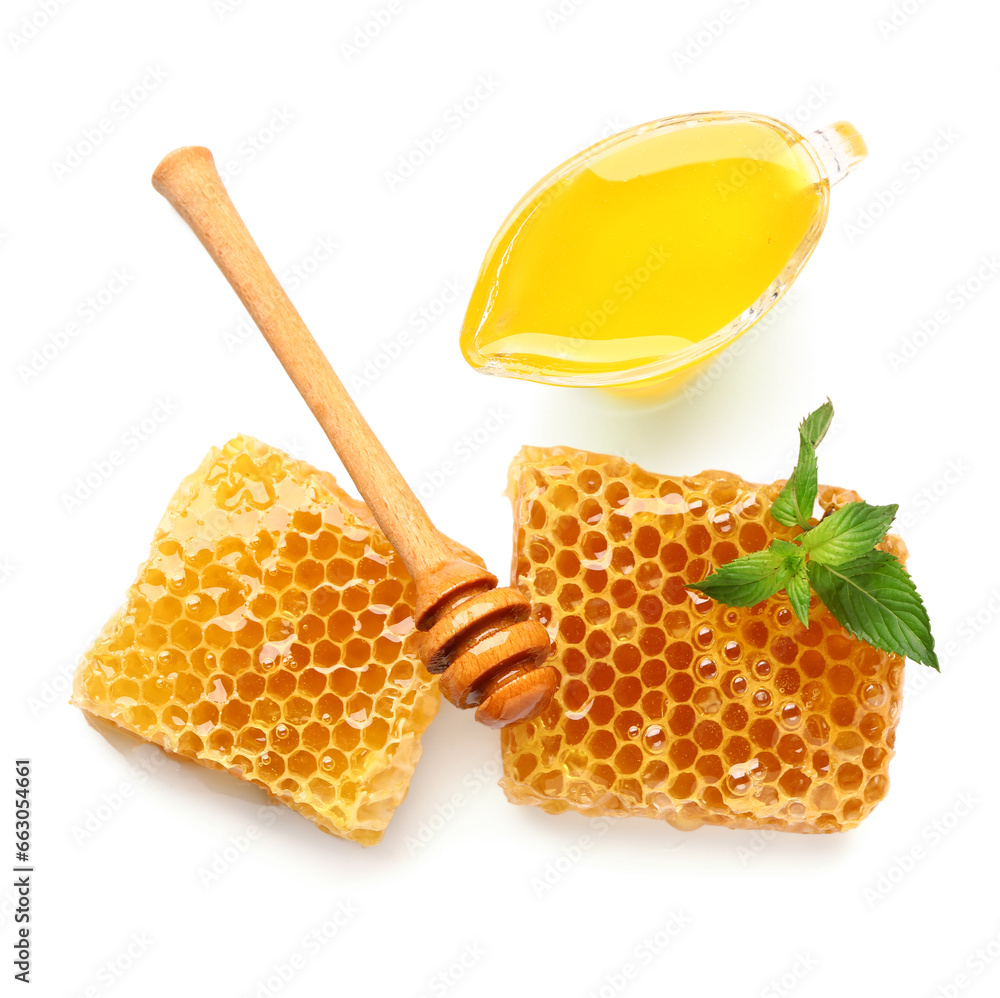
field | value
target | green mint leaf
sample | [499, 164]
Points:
[813, 428]
[875, 599]
[853, 530]
[752, 578]
[747, 580]
[795, 502]
[798, 593]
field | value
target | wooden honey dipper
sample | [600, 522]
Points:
[480, 639]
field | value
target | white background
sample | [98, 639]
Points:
[899, 906]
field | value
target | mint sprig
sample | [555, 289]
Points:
[868, 591]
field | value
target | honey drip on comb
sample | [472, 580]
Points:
[672, 706]
[270, 633]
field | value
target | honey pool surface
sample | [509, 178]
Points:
[670, 705]
[635, 252]
[270, 633]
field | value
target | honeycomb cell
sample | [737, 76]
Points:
[297, 710]
[674, 557]
[673, 707]
[817, 730]
[734, 685]
[653, 674]
[683, 753]
[680, 687]
[654, 704]
[626, 658]
[872, 694]
[710, 768]
[724, 553]
[735, 716]
[708, 700]
[791, 715]
[755, 633]
[628, 725]
[753, 537]
[876, 788]
[627, 691]
[841, 679]
[682, 719]
[268, 601]
[707, 669]
[708, 735]
[572, 629]
[764, 733]
[737, 749]
[602, 710]
[784, 649]
[602, 744]
[792, 749]
[654, 738]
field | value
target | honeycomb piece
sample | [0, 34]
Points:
[269, 634]
[670, 705]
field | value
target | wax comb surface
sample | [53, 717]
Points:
[670, 705]
[270, 633]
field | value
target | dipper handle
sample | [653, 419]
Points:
[487, 633]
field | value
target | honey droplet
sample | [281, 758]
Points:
[654, 738]
[791, 715]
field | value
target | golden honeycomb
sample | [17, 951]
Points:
[270, 633]
[670, 705]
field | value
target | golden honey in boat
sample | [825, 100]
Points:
[652, 250]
